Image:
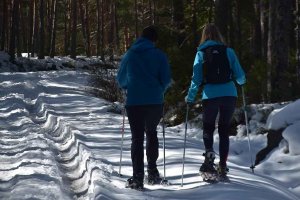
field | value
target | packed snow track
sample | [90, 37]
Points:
[57, 142]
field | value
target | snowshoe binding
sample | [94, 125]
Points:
[152, 177]
[222, 173]
[135, 183]
[207, 170]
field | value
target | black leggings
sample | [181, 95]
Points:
[143, 119]
[211, 107]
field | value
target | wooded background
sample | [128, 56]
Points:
[264, 33]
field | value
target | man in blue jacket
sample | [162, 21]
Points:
[145, 74]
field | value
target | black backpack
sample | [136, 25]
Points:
[216, 67]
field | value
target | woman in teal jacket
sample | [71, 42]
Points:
[217, 98]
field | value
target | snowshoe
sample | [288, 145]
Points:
[207, 170]
[223, 178]
[210, 177]
[152, 177]
[135, 183]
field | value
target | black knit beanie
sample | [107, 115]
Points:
[150, 32]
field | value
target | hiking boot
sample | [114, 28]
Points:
[208, 165]
[222, 169]
[153, 176]
[135, 183]
[222, 172]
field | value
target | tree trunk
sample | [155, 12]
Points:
[98, 40]
[87, 21]
[264, 28]
[102, 31]
[194, 23]
[222, 16]
[142, 13]
[126, 37]
[4, 25]
[53, 29]
[74, 29]
[271, 46]
[210, 13]
[152, 9]
[278, 49]
[117, 37]
[85, 26]
[41, 52]
[25, 25]
[256, 41]
[112, 35]
[232, 34]
[35, 28]
[31, 20]
[49, 20]
[155, 15]
[236, 28]
[136, 19]
[18, 30]
[67, 27]
[13, 28]
[178, 20]
[298, 41]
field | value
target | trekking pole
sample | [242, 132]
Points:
[122, 131]
[247, 129]
[186, 121]
[164, 181]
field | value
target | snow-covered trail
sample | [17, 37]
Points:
[58, 142]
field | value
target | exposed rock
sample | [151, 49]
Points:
[274, 139]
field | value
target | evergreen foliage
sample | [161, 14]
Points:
[112, 26]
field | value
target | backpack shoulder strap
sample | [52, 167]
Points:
[207, 51]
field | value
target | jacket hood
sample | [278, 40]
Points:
[208, 43]
[142, 44]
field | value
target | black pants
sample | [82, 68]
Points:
[211, 107]
[144, 118]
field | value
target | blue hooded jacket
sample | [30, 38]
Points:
[215, 90]
[145, 73]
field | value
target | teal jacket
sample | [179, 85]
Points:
[145, 73]
[215, 90]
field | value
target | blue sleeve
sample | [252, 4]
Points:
[165, 73]
[238, 72]
[197, 77]
[122, 73]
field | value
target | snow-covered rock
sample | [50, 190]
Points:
[285, 116]
[287, 119]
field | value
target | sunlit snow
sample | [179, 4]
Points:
[59, 142]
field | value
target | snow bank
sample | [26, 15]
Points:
[25, 64]
[291, 134]
[5, 64]
[4, 56]
[288, 119]
[281, 118]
